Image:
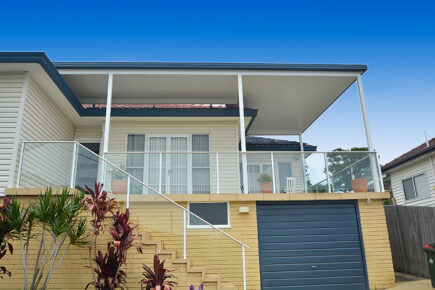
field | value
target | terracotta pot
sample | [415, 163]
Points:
[266, 187]
[360, 185]
[119, 186]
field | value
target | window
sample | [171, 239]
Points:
[179, 172]
[215, 213]
[415, 187]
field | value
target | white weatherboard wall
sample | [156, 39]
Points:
[11, 90]
[413, 168]
[44, 121]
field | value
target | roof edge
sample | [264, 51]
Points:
[425, 151]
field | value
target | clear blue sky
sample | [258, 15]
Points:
[396, 40]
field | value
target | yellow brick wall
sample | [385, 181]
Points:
[159, 220]
[376, 244]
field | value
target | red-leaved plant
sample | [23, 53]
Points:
[99, 205]
[5, 229]
[108, 270]
[159, 279]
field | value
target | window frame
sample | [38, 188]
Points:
[228, 226]
[417, 197]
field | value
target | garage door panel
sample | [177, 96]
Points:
[307, 218]
[294, 237]
[313, 260]
[307, 211]
[313, 252]
[314, 274]
[310, 245]
[307, 267]
[306, 231]
[316, 281]
[352, 286]
[310, 238]
[304, 225]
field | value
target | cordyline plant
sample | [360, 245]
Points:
[159, 279]
[99, 205]
[108, 270]
[5, 230]
[54, 221]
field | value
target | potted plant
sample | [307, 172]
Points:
[266, 183]
[158, 278]
[119, 181]
[360, 183]
[430, 256]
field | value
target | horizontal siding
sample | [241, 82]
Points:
[11, 87]
[45, 164]
[414, 168]
[87, 133]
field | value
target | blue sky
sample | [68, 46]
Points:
[395, 39]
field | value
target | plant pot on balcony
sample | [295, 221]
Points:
[430, 257]
[266, 187]
[360, 185]
[119, 186]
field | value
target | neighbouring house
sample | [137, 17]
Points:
[179, 145]
[411, 176]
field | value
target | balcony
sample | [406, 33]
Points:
[70, 164]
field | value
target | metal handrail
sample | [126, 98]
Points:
[147, 186]
[237, 152]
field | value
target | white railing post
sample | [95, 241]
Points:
[244, 267]
[184, 235]
[273, 172]
[20, 166]
[304, 174]
[217, 174]
[327, 173]
[160, 172]
[242, 134]
[73, 166]
[128, 191]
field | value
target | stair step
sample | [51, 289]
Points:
[212, 278]
[228, 286]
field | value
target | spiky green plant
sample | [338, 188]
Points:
[54, 221]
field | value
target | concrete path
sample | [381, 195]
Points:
[409, 282]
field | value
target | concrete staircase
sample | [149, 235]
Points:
[183, 268]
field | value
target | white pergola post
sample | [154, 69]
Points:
[304, 174]
[242, 135]
[373, 159]
[108, 112]
[107, 124]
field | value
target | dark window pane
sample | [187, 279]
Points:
[408, 187]
[214, 213]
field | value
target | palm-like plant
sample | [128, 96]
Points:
[59, 223]
[158, 279]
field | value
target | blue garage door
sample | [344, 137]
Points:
[310, 245]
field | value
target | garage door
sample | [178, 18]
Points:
[310, 245]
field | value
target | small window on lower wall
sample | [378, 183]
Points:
[415, 187]
[215, 213]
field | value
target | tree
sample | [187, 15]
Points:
[343, 167]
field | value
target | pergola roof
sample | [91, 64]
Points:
[288, 97]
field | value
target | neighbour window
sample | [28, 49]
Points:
[215, 213]
[415, 187]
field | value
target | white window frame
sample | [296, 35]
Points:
[168, 137]
[228, 226]
[415, 189]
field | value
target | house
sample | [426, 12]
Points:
[412, 176]
[178, 144]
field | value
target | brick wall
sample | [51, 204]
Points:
[376, 244]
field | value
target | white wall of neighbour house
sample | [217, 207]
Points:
[223, 138]
[45, 164]
[88, 134]
[12, 87]
[397, 175]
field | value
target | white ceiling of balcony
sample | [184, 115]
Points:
[287, 104]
